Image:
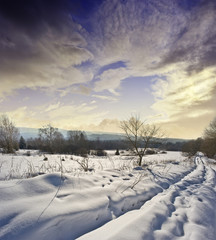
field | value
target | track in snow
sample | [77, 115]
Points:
[186, 210]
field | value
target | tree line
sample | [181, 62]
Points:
[51, 140]
[139, 137]
[206, 144]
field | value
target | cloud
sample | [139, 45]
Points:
[135, 31]
[71, 116]
[145, 36]
[24, 117]
[64, 117]
[111, 79]
[40, 46]
[175, 45]
[196, 42]
[188, 89]
[103, 97]
[105, 125]
[84, 90]
[179, 92]
[60, 111]
[52, 107]
[155, 38]
[187, 127]
[187, 103]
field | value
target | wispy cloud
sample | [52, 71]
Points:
[172, 42]
[104, 97]
[61, 116]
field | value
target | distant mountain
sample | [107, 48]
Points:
[174, 140]
[28, 132]
[105, 136]
[33, 133]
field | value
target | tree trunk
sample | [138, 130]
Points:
[140, 160]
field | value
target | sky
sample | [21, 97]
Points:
[83, 64]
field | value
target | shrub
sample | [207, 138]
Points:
[150, 152]
[28, 153]
[117, 152]
[163, 152]
[99, 152]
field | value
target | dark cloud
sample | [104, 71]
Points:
[32, 16]
[40, 42]
[177, 55]
[24, 23]
[207, 58]
[195, 43]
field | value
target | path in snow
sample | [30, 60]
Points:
[186, 210]
[175, 202]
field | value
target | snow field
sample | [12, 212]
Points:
[186, 210]
[170, 199]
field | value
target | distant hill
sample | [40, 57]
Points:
[28, 132]
[105, 136]
[33, 133]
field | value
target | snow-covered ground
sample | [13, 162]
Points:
[171, 198]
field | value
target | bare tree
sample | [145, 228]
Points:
[49, 136]
[210, 131]
[209, 144]
[190, 148]
[77, 142]
[9, 135]
[138, 133]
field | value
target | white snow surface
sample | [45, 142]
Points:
[170, 198]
